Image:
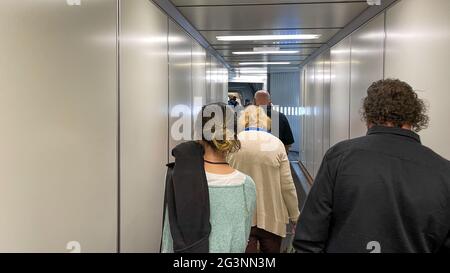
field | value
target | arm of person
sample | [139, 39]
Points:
[286, 135]
[314, 223]
[287, 148]
[288, 190]
[445, 248]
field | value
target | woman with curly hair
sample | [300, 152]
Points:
[384, 192]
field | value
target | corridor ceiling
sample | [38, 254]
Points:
[214, 18]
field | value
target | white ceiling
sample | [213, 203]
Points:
[256, 17]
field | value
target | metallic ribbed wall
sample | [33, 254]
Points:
[316, 118]
[85, 101]
[409, 41]
[284, 89]
[417, 51]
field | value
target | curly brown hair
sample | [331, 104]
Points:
[394, 102]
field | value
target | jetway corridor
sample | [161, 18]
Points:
[96, 94]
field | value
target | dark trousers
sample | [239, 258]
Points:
[268, 242]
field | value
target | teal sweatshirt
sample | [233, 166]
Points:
[231, 213]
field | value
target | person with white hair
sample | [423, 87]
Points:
[263, 157]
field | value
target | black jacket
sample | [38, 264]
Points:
[187, 200]
[384, 192]
[284, 131]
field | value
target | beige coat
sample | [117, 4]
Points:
[263, 157]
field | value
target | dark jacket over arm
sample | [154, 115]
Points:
[187, 200]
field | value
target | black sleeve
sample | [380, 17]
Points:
[286, 135]
[446, 246]
[314, 222]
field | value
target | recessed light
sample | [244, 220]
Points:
[264, 63]
[265, 52]
[251, 70]
[269, 37]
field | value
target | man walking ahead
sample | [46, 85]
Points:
[384, 192]
[284, 132]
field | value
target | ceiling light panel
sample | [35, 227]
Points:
[269, 37]
[266, 52]
[264, 63]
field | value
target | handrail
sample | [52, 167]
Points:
[308, 176]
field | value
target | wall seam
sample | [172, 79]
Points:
[168, 88]
[323, 103]
[384, 43]
[119, 216]
[303, 86]
[350, 88]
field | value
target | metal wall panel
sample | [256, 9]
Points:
[309, 117]
[316, 120]
[317, 105]
[367, 52]
[215, 80]
[58, 114]
[144, 121]
[221, 89]
[198, 78]
[180, 86]
[285, 91]
[303, 80]
[224, 84]
[417, 51]
[211, 75]
[326, 102]
[340, 92]
[208, 78]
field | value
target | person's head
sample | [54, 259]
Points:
[262, 97]
[254, 117]
[219, 128]
[394, 103]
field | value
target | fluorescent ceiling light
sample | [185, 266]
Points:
[269, 37]
[265, 52]
[264, 63]
[246, 69]
[252, 72]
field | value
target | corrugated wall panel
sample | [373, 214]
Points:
[340, 92]
[367, 51]
[144, 124]
[285, 92]
[58, 114]
[417, 51]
